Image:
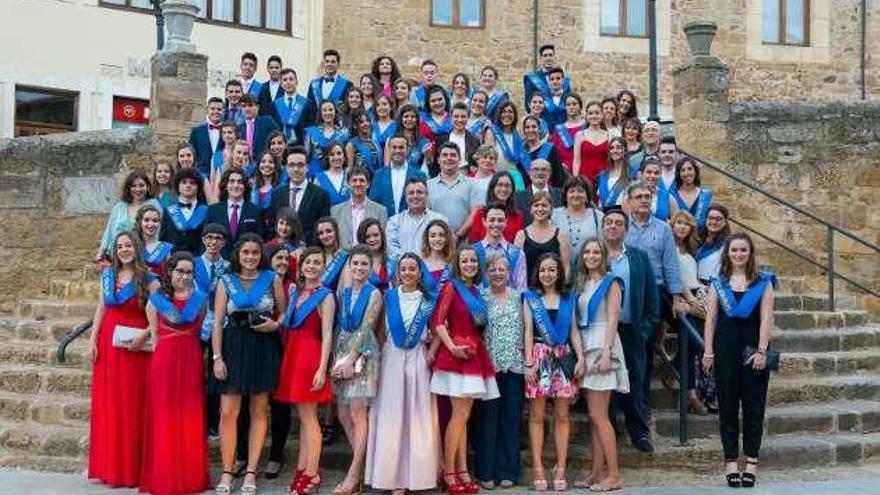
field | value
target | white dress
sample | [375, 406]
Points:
[709, 266]
[403, 446]
[593, 338]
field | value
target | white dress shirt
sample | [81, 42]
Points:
[398, 181]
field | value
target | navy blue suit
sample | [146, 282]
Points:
[314, 204]
[537, 81]
[249, 221]
[382, 192]
[340, 87]
[201, 143]
[266, 100]
[262, 127]
[295, 134]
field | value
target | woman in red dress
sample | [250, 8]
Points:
[175, 458]
[463, 370]
[156, 252]
[304, 378]
[119, 374]
[591, 145]
[501, 190]
[562, 136]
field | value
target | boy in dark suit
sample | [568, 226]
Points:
[248, 67]
[205, 138]
[255, 128]
[308, 200]
[233, 211]
[331, 86]
[183, 219]
[291, 111]
[270, 89]
[232, 110]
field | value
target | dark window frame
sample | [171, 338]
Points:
[16, 122]
[456, 21]
[781, 39]
[622, 30]
[236, 16]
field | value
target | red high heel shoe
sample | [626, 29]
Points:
[297, 474]
[469, 485]
[453, 488]
[307, 485]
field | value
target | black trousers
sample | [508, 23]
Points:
[212, 400]
[739, 388]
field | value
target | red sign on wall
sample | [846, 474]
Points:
[131, 110]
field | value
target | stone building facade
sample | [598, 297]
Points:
[827, 69]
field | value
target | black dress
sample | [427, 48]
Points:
[535, 249]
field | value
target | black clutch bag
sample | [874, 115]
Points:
[771, 355]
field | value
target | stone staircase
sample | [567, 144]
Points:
[823, 405]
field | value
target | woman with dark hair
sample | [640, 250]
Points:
[356, 366]
[161, 187]
[712, 238]
[436, 118]
[352, 102]
[276, 144]
[463, 370]
[688, 192]
[371, 235]
[554, 362]
[460, 90]
[147, 223]
[403, 447]
[739, 319]
[537, 107]
[591, 145]
[478, 121]
[508, 143]
[361, 150]
[609, 117]
[248, 307]
[578, 216]
[542, 236]
[327, 238]
[333, 179]
[632, 134]
[175, 446]
[327, 130]
[384, 70]
[264, 182]
[119, 367]
[534, 147]
[500, 191]
[135, 193]
[288, 233]
[419, 153]
[304, 374]
[563, 135]
[626, 105]
[497, 96]
[402, 93]
[662, 204]
[613, 180]
[369, 87]
[384, 125]
[438, 248]
[186, 156]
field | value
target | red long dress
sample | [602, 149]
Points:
[302, 357]
[119, 401]
[566, 154]
[175, 459]
[594, 159]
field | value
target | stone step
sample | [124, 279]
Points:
[75, 290]
[861, 416]
[810, 320]
[802, 364]
[811, 302]
[60, 441]
[35, 380]
[43, 309]
[45, 409]
[827, 340]
[44, 353]
[31, 330]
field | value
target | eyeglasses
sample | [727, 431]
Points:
[184, 273]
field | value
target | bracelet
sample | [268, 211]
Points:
[761, 351]
[217, 357]
[710, 356]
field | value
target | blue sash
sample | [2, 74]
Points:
[291, 116]
[406, 337]
[351, 317]
[539, 81]
[245, 300]
[369, 159]
[526, 157]
[475, 304]
[511, 155]
[155, 257]
[202, 275]
[496, 99]
[337, 196]
[707, 250]
[511, 252]
[418, 95]
[583, 321]
[255, 87]
[609, 195]
[661, 211]
[553, 332]
[181, 223]
[333, 269]
[250, 169]
[112, 297]
[335, 92]
[564, 136]
[262, 204]
[187, 314]
[544, 127]
[416, 153]
[217, 162]
[296, 315]
[320, 144]
[476, 127]
[379, 136]
[444, 127]
[700, 208]
[433, 286]
[751, 298]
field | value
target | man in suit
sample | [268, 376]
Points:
[182, 220]
[248, 68]
[232, 110]
[388, 182]
[539, 175]
[256, 128]
[233, 211]
[331, 86]
[461, 136]
[205, 138]
[308, 200]
[271, 89]
[350, 214]
[639, 314]
[291, 111]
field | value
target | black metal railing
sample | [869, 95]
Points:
[69, 337]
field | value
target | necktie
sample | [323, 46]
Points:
[214, 127]
[233, 220]
[289, 103]
[250, 134]
[184, 205]
[294, 191]
[329, 79]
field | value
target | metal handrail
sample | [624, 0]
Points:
[69, 337]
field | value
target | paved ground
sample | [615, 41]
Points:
[862, 480]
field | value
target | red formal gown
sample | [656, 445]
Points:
[594, 159]
[302, 357]
[175, 459]
[515, 223]
[119, 401]
[566, 153]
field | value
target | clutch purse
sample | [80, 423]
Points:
[771, 355]
[123, 335]
[358, 366]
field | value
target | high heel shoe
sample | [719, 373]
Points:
[454, 487]
[249, 488]
[224, 489]
[733, 478]
[271, 475]
[297, 474]
[469, 485]
[749, 478]
[307, 485]
[340, 489]
[559, 484]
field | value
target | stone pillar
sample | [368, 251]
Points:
[701, 109]
[178, 91]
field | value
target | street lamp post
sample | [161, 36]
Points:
[160, 24]
[652, 61]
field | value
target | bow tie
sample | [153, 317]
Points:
[184, 205]
[329, 79]
[215, 127]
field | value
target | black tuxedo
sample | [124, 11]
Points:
[266, 100]
[522, 198]
[249, 221]
[183, 240]
[471, 143]
[314, 204]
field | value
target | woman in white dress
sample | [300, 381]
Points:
[403, 448]
[598, 313]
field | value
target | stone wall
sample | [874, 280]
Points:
[363, 29]
[55, 193]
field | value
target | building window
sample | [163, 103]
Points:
[264, 15]
[458, 13]
[786, 22]
[44, 111]
[624, 18]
